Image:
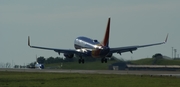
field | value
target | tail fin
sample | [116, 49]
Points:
[29, 41]
[166, 38]
[105, 41]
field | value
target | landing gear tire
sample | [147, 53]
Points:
[81, 61]
[103, 60]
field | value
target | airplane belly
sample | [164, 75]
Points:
[98, 53]
[95, 53]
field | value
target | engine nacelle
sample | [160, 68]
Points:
[109, 55]
[68, 55]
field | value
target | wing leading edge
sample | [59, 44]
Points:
[133, 48]
[56, 50]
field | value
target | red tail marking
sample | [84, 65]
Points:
[105, 41]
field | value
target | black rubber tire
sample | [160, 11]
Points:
[102, 60]
[105, 60]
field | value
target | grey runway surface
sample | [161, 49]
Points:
[160, 73]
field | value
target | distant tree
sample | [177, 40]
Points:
[69, 59]
[157, 56]
[32, 64]
[50, 60]
[16, 66]
[41, 60]
[58, 60]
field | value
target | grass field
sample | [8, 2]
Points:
[31, 79]
[149, 61]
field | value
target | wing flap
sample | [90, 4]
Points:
[123, 49]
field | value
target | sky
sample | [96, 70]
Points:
[56, 23]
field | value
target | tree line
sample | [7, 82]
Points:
[51, 60]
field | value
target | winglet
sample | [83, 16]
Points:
[29, 41]
[166, 38]
[105, 41]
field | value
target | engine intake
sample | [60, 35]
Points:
[68, 55]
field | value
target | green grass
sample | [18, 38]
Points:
[168, 62]
[149, 61]
[32, 79]
[97, 65]
[146, 61]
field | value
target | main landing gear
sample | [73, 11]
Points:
[103, 60]
[81, 60]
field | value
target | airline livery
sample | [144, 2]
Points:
[86, 47]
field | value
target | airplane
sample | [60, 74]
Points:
[38, 65]
[87, 47]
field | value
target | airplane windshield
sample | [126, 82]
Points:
[95, 40]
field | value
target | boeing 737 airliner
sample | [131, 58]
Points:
[86, 47]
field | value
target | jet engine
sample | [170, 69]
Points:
[68, 55]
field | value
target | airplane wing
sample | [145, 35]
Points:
[55, 49]
[133, 48]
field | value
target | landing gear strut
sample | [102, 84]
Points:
[81, 60]
[103, 60]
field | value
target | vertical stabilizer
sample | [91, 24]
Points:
[105, 41]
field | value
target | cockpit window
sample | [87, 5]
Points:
[95, 40]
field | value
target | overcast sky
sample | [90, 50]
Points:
[56, 23]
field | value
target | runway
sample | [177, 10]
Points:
[123, 72]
